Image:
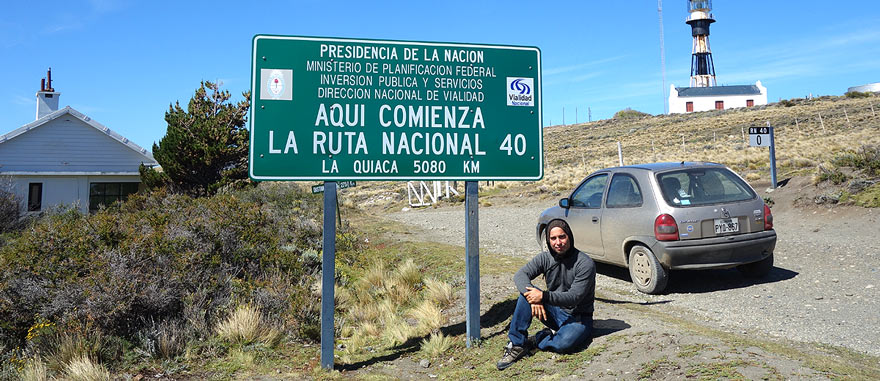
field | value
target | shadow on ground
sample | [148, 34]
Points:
[702, 281]
[697, 282]
[608, 326]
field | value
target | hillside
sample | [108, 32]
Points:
[808, 132]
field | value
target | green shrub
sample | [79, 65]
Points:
[629, 113]
[834, 175]
[787, 102]
[866, 158]
[159, 269]
[859, 94]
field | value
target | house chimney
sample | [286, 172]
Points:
[47, 98]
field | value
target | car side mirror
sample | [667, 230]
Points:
[564, 203]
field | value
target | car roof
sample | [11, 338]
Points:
[660, 167]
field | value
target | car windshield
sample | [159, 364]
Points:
[703, 186]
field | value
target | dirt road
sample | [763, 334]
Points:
[823, 287]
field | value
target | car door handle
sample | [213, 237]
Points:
[595, 219]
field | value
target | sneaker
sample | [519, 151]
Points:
[512, 353]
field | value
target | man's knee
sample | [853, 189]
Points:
[570, 337]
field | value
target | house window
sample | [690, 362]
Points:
[35, 197]
[719, 105]
[750, 102]
[108, 193]
[689, 107]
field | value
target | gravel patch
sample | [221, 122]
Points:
[823, 287]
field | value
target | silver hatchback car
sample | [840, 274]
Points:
[653, 218]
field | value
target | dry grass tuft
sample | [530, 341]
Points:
[375, 276]
[438, 292]
[35, 370]
[342, 297]
[68, 347]
[399, 290]
[387, 305]
[83, 369]
[246, 326]
[428, 316]
[409, 274]
[370, 329]
[398, 333]
[436, 345]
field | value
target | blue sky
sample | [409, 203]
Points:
[123, 62]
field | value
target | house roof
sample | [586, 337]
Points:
[718, 90]
[88, 121]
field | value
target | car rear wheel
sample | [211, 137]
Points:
[757, 269]
[645, 270]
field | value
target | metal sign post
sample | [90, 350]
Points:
[763, 137]
[472, 263]
[772, 157]
[328, 276]
[329, 109]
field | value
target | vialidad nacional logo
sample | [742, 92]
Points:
[519, 91]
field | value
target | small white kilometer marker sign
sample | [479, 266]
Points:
[759, 136]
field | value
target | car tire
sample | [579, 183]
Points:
[757, 269]
[645, 270]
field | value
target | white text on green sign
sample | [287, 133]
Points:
[331, 109]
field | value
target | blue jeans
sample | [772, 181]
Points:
[571, 331]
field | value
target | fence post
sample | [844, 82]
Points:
[821, 122]
[619, 153]
[847, 117]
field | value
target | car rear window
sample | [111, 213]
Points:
[703, 186]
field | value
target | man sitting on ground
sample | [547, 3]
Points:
[565, 308]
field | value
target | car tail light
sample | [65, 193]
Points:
[665, 228]
[768, 218]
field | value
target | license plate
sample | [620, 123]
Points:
[726, 225]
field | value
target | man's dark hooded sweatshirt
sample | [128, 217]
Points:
[570, 276]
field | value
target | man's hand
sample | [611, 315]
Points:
[533, 295]
[538, 312]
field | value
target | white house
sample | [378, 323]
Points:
[693, 99]
[65, 157]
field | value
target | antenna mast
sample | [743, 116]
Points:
[662, 57]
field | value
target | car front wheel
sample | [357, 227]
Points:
[645, 270]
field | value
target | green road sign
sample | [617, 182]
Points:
[332, 109]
